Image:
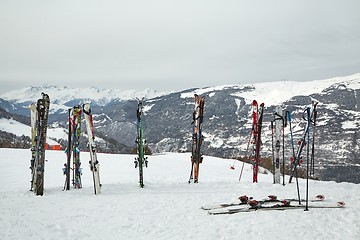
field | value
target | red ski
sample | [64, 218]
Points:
[256, 129]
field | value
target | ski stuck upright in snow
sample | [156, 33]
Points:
[94, 163]
[255, 139]
[73, 149]
[140, 141]
[197, 138]
[39, 120]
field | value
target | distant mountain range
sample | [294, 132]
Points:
[227, 118]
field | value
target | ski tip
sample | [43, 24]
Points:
[272, 197]
[320, 197]
[341, 204]
[244, 199]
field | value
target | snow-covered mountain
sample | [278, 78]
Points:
[64, 97]
[227, 120]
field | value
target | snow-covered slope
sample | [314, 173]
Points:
[19, 129]
[55, 134]
[167, 208]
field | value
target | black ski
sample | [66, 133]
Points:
[94, 163]
[38, 167]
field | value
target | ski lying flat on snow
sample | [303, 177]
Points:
[270, 199]
[247, 208]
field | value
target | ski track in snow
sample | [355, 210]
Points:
[167, 208]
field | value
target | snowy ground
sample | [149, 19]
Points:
[167, 208]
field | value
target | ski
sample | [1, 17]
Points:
[197, 138]
[94, 163]
[254, 137]
[257, 129]
[76, 133]
[279, 127]
[244, 200]
[66, 169]
[284, 205]
[38, 168]
[141, 160]
[33, 119]
[312, 164]
[73, 149]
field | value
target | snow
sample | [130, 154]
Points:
[57, 133]
[167, 208]
[269, 92]
[147, 108]
[14, 127]
[19, 129]
[201, 91]
[213, 140]
[238, 104]
[60, 96]
[349, 125]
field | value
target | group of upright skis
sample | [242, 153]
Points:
[280, 120]
[278, 124]
[39, 112]
[73, 148]
[39, 119]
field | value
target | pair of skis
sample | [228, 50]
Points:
[257, 115]
[73, 149]
[197, 138]
[270, 203]
[39, 113]
[141, 160]
[244, 200]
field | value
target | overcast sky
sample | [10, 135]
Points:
[175, 44]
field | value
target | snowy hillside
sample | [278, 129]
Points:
[19, 129]
[167, 208]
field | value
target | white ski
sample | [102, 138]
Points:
[94, 163]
